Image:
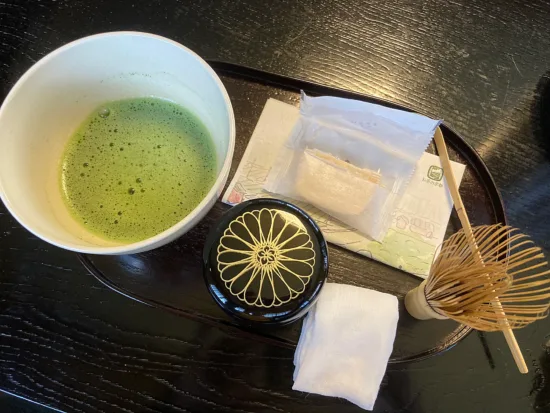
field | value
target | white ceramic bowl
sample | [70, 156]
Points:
[56, 94]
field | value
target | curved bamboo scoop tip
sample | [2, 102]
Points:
[418, 307]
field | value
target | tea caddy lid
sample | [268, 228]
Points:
[265, 262]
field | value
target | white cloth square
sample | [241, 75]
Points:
[346, 342]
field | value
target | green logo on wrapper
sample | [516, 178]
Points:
[435, 173]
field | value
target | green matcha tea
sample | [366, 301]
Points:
[136, 167]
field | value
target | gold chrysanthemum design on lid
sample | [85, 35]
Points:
[266, 257]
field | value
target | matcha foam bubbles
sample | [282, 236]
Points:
[136, 167]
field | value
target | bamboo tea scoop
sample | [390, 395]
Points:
[490, 277]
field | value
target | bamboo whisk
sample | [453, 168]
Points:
[489, 277]
[513, 271]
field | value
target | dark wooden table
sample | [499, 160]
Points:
[69, 343]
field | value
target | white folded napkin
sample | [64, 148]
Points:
[346, 342]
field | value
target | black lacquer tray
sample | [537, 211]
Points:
[171, 277]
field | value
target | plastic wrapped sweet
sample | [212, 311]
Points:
[351, 159]
[334, 185]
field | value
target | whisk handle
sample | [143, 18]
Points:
[417, 305]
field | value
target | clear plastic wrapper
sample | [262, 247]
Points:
[351, 159]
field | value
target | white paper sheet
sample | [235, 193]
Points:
[418, 225]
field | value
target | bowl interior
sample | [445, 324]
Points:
[52, 99]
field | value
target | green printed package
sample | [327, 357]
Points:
[136, 167]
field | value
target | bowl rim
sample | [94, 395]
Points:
[190, 219]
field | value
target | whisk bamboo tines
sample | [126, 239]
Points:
[465, 283]
[416, 300]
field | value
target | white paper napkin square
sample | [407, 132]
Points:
[346, 342]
